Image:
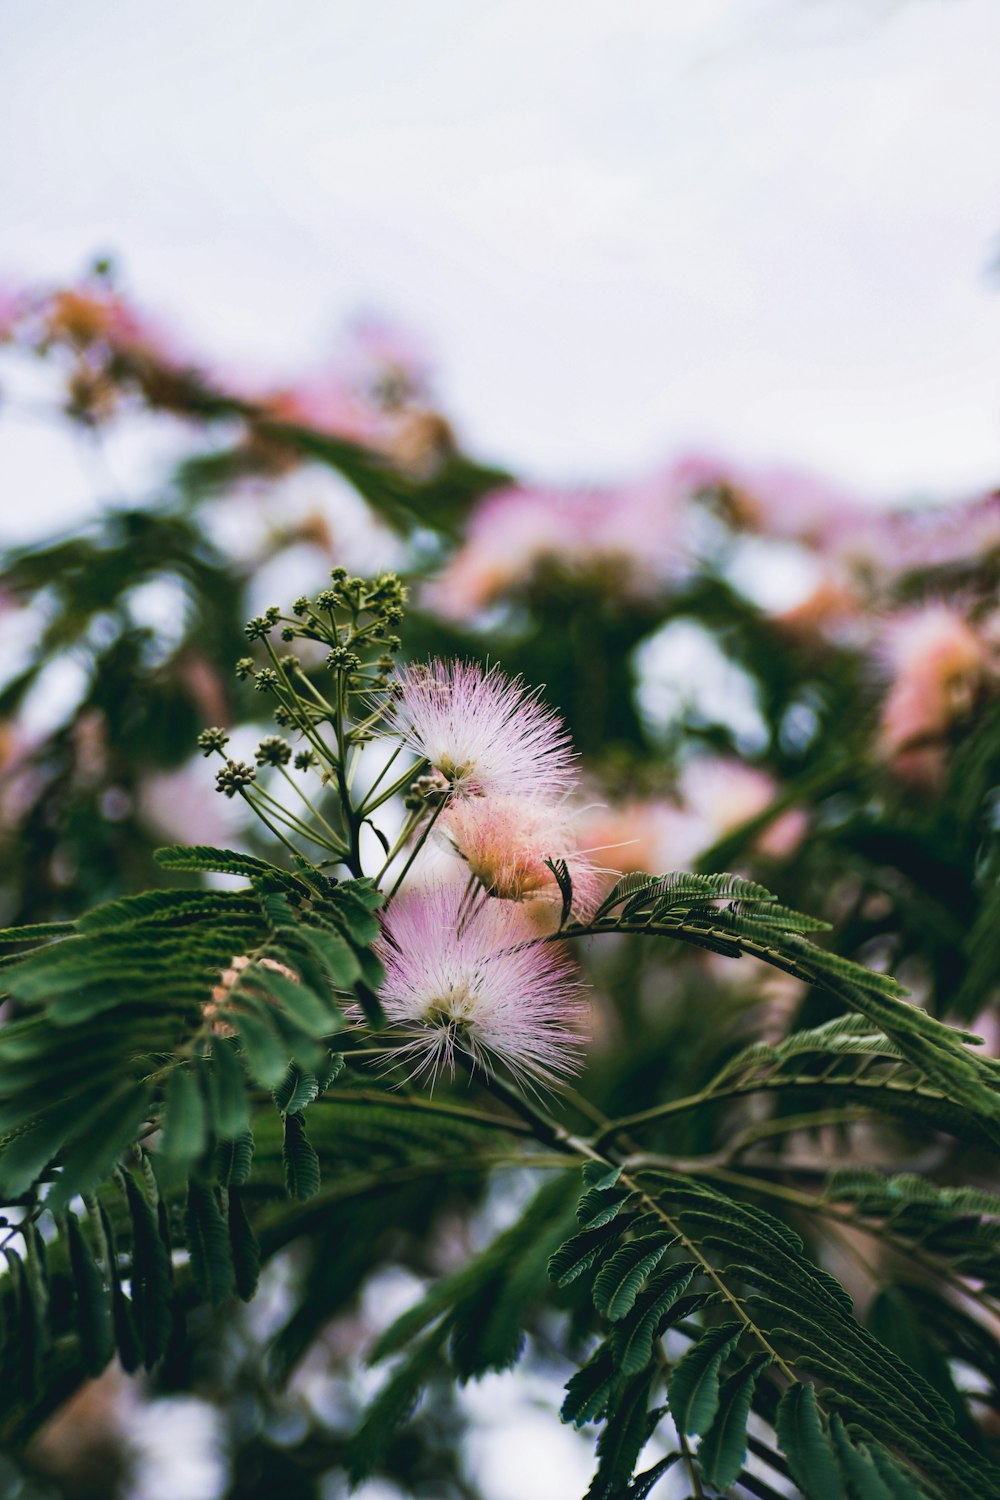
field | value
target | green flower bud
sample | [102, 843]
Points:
[233, 777]
[273, 751]
[341, 659]
[212, 740]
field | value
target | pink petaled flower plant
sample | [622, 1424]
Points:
[939, 662]
[626, 540]
[472, 981]
[505, 841]
[486, 734]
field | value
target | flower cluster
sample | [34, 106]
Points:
[466, 967]
[626, 541]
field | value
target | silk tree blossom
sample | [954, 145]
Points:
[714, 796]
[505, 842]
[473, 981]
[778, 502]
[629, 541]
[486, 734]
[939, 663]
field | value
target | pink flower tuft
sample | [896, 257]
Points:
[485, 733]
[505, 842]
[939, 663]
[627, 541]
[478, 985]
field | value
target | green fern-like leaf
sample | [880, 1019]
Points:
[208, 1242]
[807, 1446]
[302, 1170]
[693, 1391]
[93, 1305]
[724, 1447]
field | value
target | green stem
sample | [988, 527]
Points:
[351, 818]
[412, 1103]
[908, 1250]
[258, 812]
[410, 774]
[543, 1126]
[421, 841]
[315, 811]
[290, 821]
[741, 1089]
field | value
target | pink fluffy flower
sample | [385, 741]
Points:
[627, 540]
[505, 841]
[779, 502]
[478, 986]
[939, 664]
[486, 734]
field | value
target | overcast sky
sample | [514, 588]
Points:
[624, 227]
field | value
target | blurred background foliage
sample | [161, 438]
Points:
[760, 674]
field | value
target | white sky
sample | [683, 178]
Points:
[625, 227]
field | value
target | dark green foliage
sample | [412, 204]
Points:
[749, 920]
[693, 1391]
[93, 1309]
[623, 1438]
[26, 1324]
[235, 1159]
[483, 1306]
[643, 1483]
[617, 1284]
[228, 1104]
[208, 1243]
[394, 1403]
[633, 1340]
[806, 1445]
[763, 1296]
[122, 1311]
[184, 1122]
[120, 1012]
[296, 1090]
[721, 1455]
[244, 1246]
[302, 1173]
[152, 1277]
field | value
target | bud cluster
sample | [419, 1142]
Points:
[212, 741]
[355, 619]
[351, 617]
[426, 791]
[234, 776]
[273, 751]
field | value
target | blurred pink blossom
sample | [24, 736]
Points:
[629, 538]
[11, 308]
[942, 536]
[776, 501]
[937, 662]
[714, 797]
[329, 403]
[724, 794]
[183, 806]
[388, 361]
